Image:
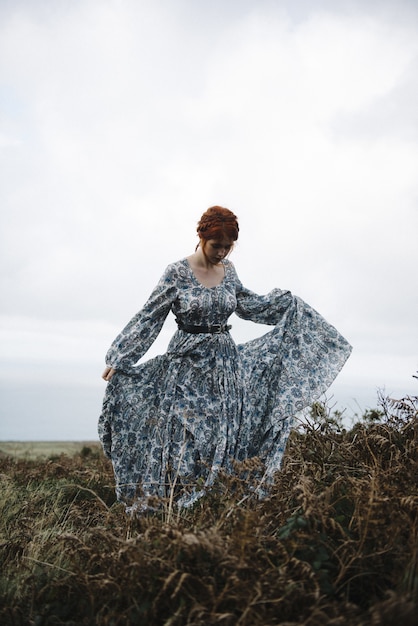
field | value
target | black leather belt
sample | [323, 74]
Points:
[214, 328]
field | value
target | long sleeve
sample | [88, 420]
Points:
[139, 334]
[263, 309]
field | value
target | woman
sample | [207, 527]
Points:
[171, 423]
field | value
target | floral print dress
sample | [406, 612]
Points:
[180, 417]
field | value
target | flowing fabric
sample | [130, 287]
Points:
[177, 419]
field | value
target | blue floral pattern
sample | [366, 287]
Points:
[180, 417]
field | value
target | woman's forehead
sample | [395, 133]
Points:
[224, 241]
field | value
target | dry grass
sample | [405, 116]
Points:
[334, 542]
[42, 449]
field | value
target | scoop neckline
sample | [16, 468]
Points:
[197, 281]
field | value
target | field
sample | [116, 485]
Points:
[334, 542]
[42, 449]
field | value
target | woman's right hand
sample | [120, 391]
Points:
[108, 373]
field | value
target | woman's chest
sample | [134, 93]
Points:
[203, 301]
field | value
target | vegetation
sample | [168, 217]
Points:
[334, 542]
[41, 449]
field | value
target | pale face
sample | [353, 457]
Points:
[215, 250]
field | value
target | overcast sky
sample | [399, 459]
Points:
[121, 121]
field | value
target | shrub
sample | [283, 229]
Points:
[333, 542]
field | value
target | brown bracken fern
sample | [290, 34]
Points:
[334, 542]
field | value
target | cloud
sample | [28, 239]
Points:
[122, 121]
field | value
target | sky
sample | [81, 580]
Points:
[122, 121]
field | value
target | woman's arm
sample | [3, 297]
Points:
[142, 330]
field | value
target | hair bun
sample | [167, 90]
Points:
[218, 222]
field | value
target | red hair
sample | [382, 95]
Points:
[218, 223]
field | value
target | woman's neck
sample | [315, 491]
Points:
[200, 260]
